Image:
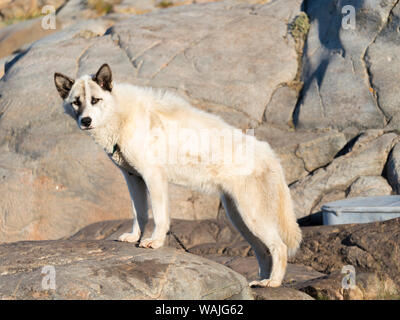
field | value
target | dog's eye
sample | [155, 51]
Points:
[95, 100]
[77, 102]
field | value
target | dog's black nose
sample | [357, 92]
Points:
[86, 121]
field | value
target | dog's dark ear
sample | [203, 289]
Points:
[63, 84]
[103, 77]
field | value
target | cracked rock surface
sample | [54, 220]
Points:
[367, 157]
[372, 249]
[113, 270]
[333, 51]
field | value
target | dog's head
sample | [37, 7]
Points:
[87, 99]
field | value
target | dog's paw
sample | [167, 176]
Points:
[151, 243]
[265, 283]
[129, 237]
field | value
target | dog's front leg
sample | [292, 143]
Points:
[138, 192]
[157, 185]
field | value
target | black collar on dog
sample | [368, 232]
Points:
[115, 149]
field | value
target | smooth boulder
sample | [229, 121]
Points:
[112, 270]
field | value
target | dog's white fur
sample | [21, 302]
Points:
[256, 200]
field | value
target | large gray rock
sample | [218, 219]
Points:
[320, 151]
[339, 64]
[55, 179]
[367, 158]
[113, 270]
[302, 152]
[216, 240]
[384, 66]
[279, 110]
[370, 186]
[372, 249]
[233, 57]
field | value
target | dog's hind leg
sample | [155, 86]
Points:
[138, 192]
[257, 221]
[278, 252]
[260, 250]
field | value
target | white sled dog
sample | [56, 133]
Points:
[141, 130]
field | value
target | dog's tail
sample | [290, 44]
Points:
[289, 230]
